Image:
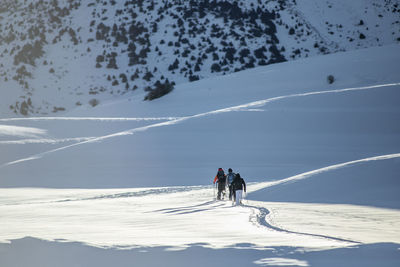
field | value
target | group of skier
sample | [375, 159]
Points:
[233, 181]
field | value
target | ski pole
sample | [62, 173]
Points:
[214, 190]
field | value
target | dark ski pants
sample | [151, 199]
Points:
[221, 190]
[231, 193]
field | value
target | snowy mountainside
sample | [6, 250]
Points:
[122, 185]
[58, 55]
[256, 121]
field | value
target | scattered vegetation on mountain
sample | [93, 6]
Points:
[142, 44]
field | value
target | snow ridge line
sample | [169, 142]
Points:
[181, 119]
[295, 11]
[262, 214]
[106, 119]
[45, 141]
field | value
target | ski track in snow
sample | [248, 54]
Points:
[110, 119]
[139, 193]
[262, 212]
[259, 215]
[176, 120]
[324, 169]
[45, 141]
[261, 218]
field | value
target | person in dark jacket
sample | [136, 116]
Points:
[220, 178]
[238, 186]
[230, 177]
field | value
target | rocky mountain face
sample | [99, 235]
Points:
[56, 55]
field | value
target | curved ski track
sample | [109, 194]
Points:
[261, 218]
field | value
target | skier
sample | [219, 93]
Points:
[238, 186]
[220, 178]
[230, 176]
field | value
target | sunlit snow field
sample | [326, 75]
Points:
[133, 185]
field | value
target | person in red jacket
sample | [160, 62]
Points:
[220, 178]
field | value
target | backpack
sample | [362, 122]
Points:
[231, 177]
[221, 177]
[237, 183]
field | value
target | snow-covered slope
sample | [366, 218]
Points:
[320, 160]
[57, 55]
[269, 122]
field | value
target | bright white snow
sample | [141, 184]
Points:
[321, 162]
[18, 131]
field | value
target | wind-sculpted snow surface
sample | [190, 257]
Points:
[18, 131]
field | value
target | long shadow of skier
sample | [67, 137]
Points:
[190, 209]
